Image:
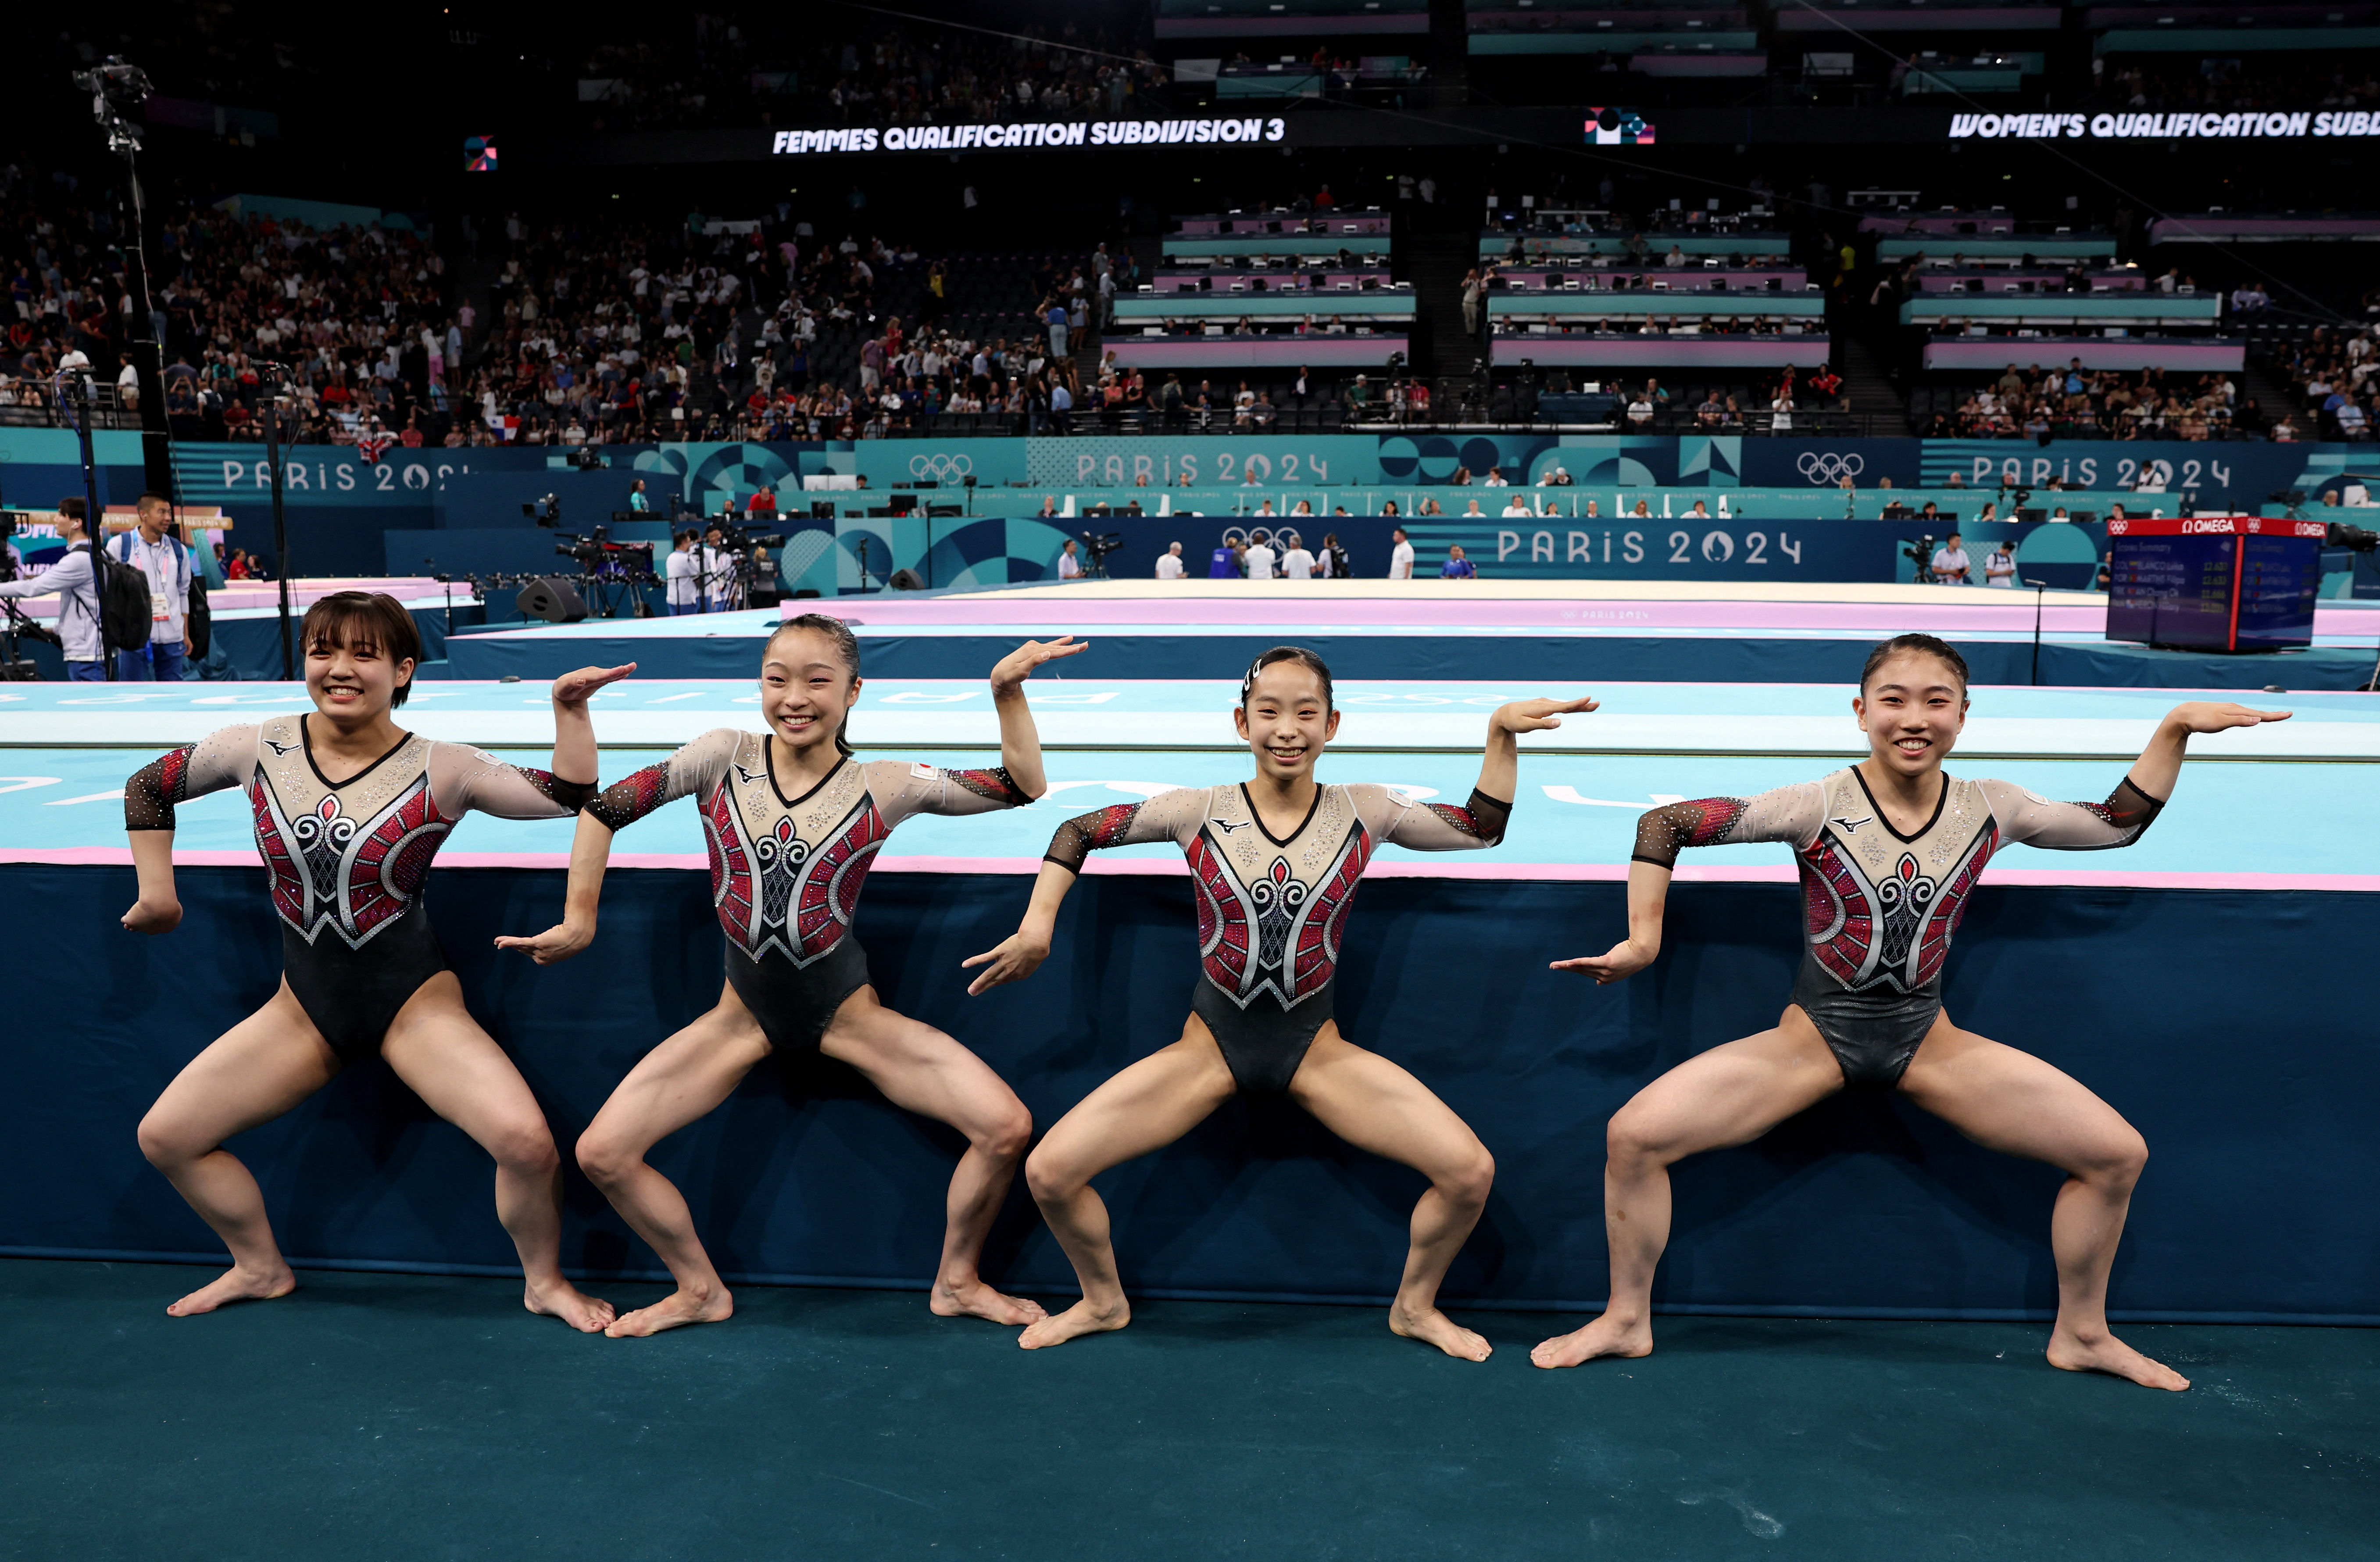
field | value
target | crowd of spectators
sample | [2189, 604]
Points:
[743, 331]
[2336, 374]
[2076, 403]
[571, 334]
[724, 73]
[354, 322]
[63, 259]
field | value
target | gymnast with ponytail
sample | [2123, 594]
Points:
[1276, 861]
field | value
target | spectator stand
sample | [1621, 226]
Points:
[1673, 38]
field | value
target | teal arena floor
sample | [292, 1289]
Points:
[380, 1416]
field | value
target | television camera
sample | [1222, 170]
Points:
[1096, 545]
[610, 573]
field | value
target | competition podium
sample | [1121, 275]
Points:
[2214, 582]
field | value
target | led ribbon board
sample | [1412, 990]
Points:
[2162, 126]
[1055, 135]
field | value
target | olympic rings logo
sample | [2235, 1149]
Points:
[1823, 466]
[941, 467]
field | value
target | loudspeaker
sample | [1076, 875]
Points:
[906, 580]
[552, 598]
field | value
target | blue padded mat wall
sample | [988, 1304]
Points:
[2255, 1206]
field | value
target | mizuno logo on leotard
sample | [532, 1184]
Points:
[280, 749]
[748, 777]
[1851, 826]
[1228, 825]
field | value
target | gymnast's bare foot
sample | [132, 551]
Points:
[2108, 1354]
[236, 1284]
[1433, 1327]
[975, 1300]
[676, 1310]
[1083, 1318]
[559, 1299]
[1608, 1336]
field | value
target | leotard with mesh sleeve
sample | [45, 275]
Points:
[786, 872]
[1879, 909]
[347, 860]
[1272, 911]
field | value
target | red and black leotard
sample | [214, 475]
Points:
[785, 872]
[1879, 907]
[349, 859]
[1272, 911]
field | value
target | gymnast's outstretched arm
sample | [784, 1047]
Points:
[2134, 806]
[2159, 766]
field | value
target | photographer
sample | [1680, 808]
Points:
[71, 577]
[166, 564]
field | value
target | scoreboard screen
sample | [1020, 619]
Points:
[2214, 582]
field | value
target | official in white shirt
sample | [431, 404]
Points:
[72, 579]
[2000, 567]
[1950, 563]
[166, 563]
[1517, 505]
[1296, 563]
[1401, 561]
[1070, 564]
[678, 572]
[1259, 559]
[1168, 563]
[718, 569]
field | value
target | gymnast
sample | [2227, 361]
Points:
[1276, 861]
[1888, 850]
[349, 810]
[793, 822]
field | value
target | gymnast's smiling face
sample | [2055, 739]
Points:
[1913, 709]
[1286, 719]
[351, 677]
[807, 689]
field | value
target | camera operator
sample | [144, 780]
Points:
[1070, 563]
[1950, 563]
[78, 590]
[166, 564]
[680, 595]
